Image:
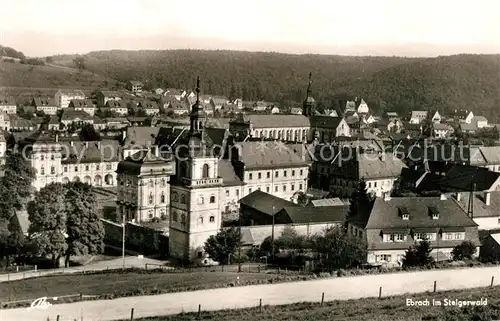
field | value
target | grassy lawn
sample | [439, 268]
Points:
[127, 283]
[391, 308]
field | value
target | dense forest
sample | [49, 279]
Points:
[10, 52]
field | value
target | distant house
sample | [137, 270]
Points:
[463, 116]
[350, 106]
[490, 248]
[103, 96]
[363, 107]
[218, 102]
[178, 94]
[331, 113]
[481, 121]
[53, 123]
[5, 122]
[85, 105]
[486, 208]
[149, 107]
[20, 124]
[394, 224]
[296, 111]
[475, 123]
[116, 123]
[442, 130]
[64, 96]
[159, 91]
[274, 110]
[368, 119]
[8, 105]
[391, 115]
[98, 123]
[71, 115]
[135, 86]
[178, 107]
[46, 105]
[418, 116]
[436, 118]
[119, 107]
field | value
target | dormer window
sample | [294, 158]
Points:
[434, 213]
[404, 213]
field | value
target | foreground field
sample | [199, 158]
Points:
[118, 284]
[390, 308]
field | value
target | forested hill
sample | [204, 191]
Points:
[403, 84]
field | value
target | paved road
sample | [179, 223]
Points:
[272, 294]
[130, 261]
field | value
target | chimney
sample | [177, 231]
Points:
[459, 196]
[487, 198]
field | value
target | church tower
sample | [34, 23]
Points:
[195, 213]
[308, 105]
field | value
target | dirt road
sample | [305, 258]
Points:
[272, 294]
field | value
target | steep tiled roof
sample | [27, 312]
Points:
[324, 214]
[439, 126]
[141, 135]
[148, 105]
[327, 202]
[53, 120]
[372, 167]
[480, 209]
[117, 103]
[72, 114]
[226, 172]
[7, 101]
[491, 154]
[84, 103]
[385, 214]
[277, 121]
[264, 202]
[268, 155]
[134, 162]
[462, 177]
[90, 152]
[40, 102]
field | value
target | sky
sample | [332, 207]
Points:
[346, 27]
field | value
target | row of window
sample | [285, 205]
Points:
[175, 218]
[276, 188]
[399, 237]
[388, 258]
[87, 168]
[151, 183]
[276, 174]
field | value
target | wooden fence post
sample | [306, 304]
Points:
[81, 296]
[199, 311]
[380, 292]
[322, 298]
[492, 280]
[260, 305]
[132, 314]
[222, 268]
[435, 283]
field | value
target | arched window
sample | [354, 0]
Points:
[183, 199]
[42, 157]
[163, 183]
[212, 218]
[200, 220]
[183, 219]
[175, 197]
[162, 198]
[212, 199]
[201, 200]
[151, 184]
[174, 217]
[150, 198]
[52, 170]
[150, 214]
[51, 157]
[205, 171]
[42, 171]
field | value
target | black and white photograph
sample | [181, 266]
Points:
[250, 160]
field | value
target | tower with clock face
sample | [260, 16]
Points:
[195, 212]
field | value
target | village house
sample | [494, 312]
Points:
[350, 106]
[118, 107]
[135, 86]
[79, 117]
[274, 110]
[436, 118]
[379, 171]
[218, 102]
[85, 105]
[363, 107]
[296, 111]
[490, 248]
[177, 94]
[53, 124]
[463, 116]
[116, 123]
[150, 107]
[177, 107]
[418, 116]
[46, 105]
[4, 122]
[103, 96]
[442, 130]
[394, 224]
[64, 96]
[19, 124]
[485, 210]
[7, 105]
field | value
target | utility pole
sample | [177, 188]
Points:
[123, 240]
[239, 244]
[272, 236]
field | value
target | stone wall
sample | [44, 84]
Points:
[138, 238]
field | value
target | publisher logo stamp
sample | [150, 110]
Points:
[41, 303]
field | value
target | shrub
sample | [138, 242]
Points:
[464, 251]
[418, 255]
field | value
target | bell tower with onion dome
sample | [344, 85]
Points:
[195, 213]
